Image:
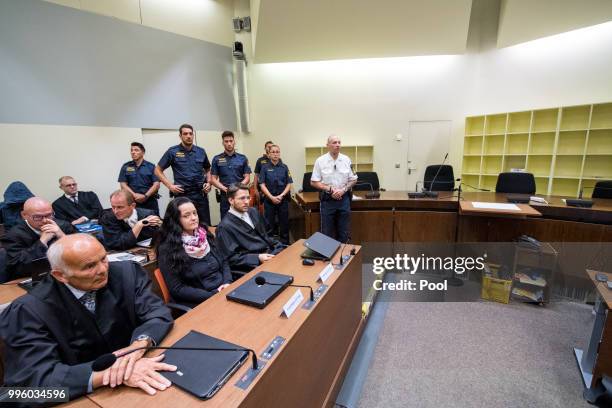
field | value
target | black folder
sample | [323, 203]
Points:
[320, 247]
[203, 372]
[259, 296]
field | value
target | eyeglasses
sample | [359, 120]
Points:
[41, 217]
[70, 185]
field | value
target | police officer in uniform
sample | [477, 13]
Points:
[229, 167]
[333, 176]
[191, 169]
[261, 161]
[138, 177]
[275, 181]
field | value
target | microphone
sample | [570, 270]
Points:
[372, 193]
[343, 248]
[428, 192]
[260, 280]
[106, 360]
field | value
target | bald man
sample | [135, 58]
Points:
[85, 308]
[29, 239]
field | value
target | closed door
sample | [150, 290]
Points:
[428, 143]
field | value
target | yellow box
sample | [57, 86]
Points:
[497, 290]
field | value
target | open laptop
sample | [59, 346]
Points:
[259, 296]
[320, 247]
[203, 372]
[37, 270]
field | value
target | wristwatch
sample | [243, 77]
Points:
[147, 338]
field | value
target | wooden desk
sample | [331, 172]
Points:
[309, 367]
[10, 291]
[597, 360]
[523, 210]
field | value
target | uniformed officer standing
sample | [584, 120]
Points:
[333, 176]
[191, 169]
[260, 161]
[275, 181]
[138, 177]
[229, 167]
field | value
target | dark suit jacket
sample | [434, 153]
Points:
[51, 339]
[89, 206]
[241, 245]
[117, 233]
[23, 246]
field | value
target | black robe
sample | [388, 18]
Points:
[241, 245]
[118, 234]
[51, 339]
[23, 246]
[88, 206]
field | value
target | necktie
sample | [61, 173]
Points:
[75, 200]
[89, 301]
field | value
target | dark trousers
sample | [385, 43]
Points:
[224, 204]
[336, 217]
[280, 212]
[200, 200]
[150, 204]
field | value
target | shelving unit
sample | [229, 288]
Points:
[533, 272]
[566, 148]
[362, 157]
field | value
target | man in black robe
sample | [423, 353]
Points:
[85, 308]
[126, 224]
[34, 233]
[241, 235]
[75, 206]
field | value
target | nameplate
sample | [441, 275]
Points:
[326, 272]
[293, 303]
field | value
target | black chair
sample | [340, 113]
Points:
[306, 187]
[603, 189]
[444, 181]
[367, 177]
[515, 183]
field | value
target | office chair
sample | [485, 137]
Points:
[370, 177]
[159, 281]
[603, 189]
[515, 183]
[445, 181]
[306, 187]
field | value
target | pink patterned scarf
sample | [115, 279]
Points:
[196, 245]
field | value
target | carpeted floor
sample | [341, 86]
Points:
[478, 354]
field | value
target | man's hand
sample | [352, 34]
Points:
[220, 288]
[265, 257]
[278, 199]
[206, 188]
[146, 377]
[80, 220]
[337, 193]
[140, 198]
[49, 231]
[176, 189]
[153, 221]
[123, 367]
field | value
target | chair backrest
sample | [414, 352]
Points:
[515, 183]
[444, 181]
[3, 274]
[370, 177]
[603, 189]
[306, 187]
[161, 282]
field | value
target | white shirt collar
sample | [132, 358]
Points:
[76, 195]
[78, 293]
[37, 232]
[243, 216]
[132, 219]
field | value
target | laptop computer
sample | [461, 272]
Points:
[259, 296]
[37, 270]
[320, 247]
[203, 372]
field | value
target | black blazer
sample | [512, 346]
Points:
[117, 233]
[199, 280]
[241, 244]
[89, 206]
[23, 246]
[51, 339]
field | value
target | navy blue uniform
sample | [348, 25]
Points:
[188, 167]
[260, 162]
[276, 177]
[140, 179]
[231, 170]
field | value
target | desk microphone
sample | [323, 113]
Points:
[106, 360]
[373, 193]
[260, 280]
[342, 251]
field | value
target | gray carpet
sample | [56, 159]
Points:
[478, 354]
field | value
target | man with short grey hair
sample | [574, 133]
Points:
[85, 308]
[74, 206]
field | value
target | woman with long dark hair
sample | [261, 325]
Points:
[187, 256]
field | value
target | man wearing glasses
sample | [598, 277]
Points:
[76, 207]
[30, 238]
